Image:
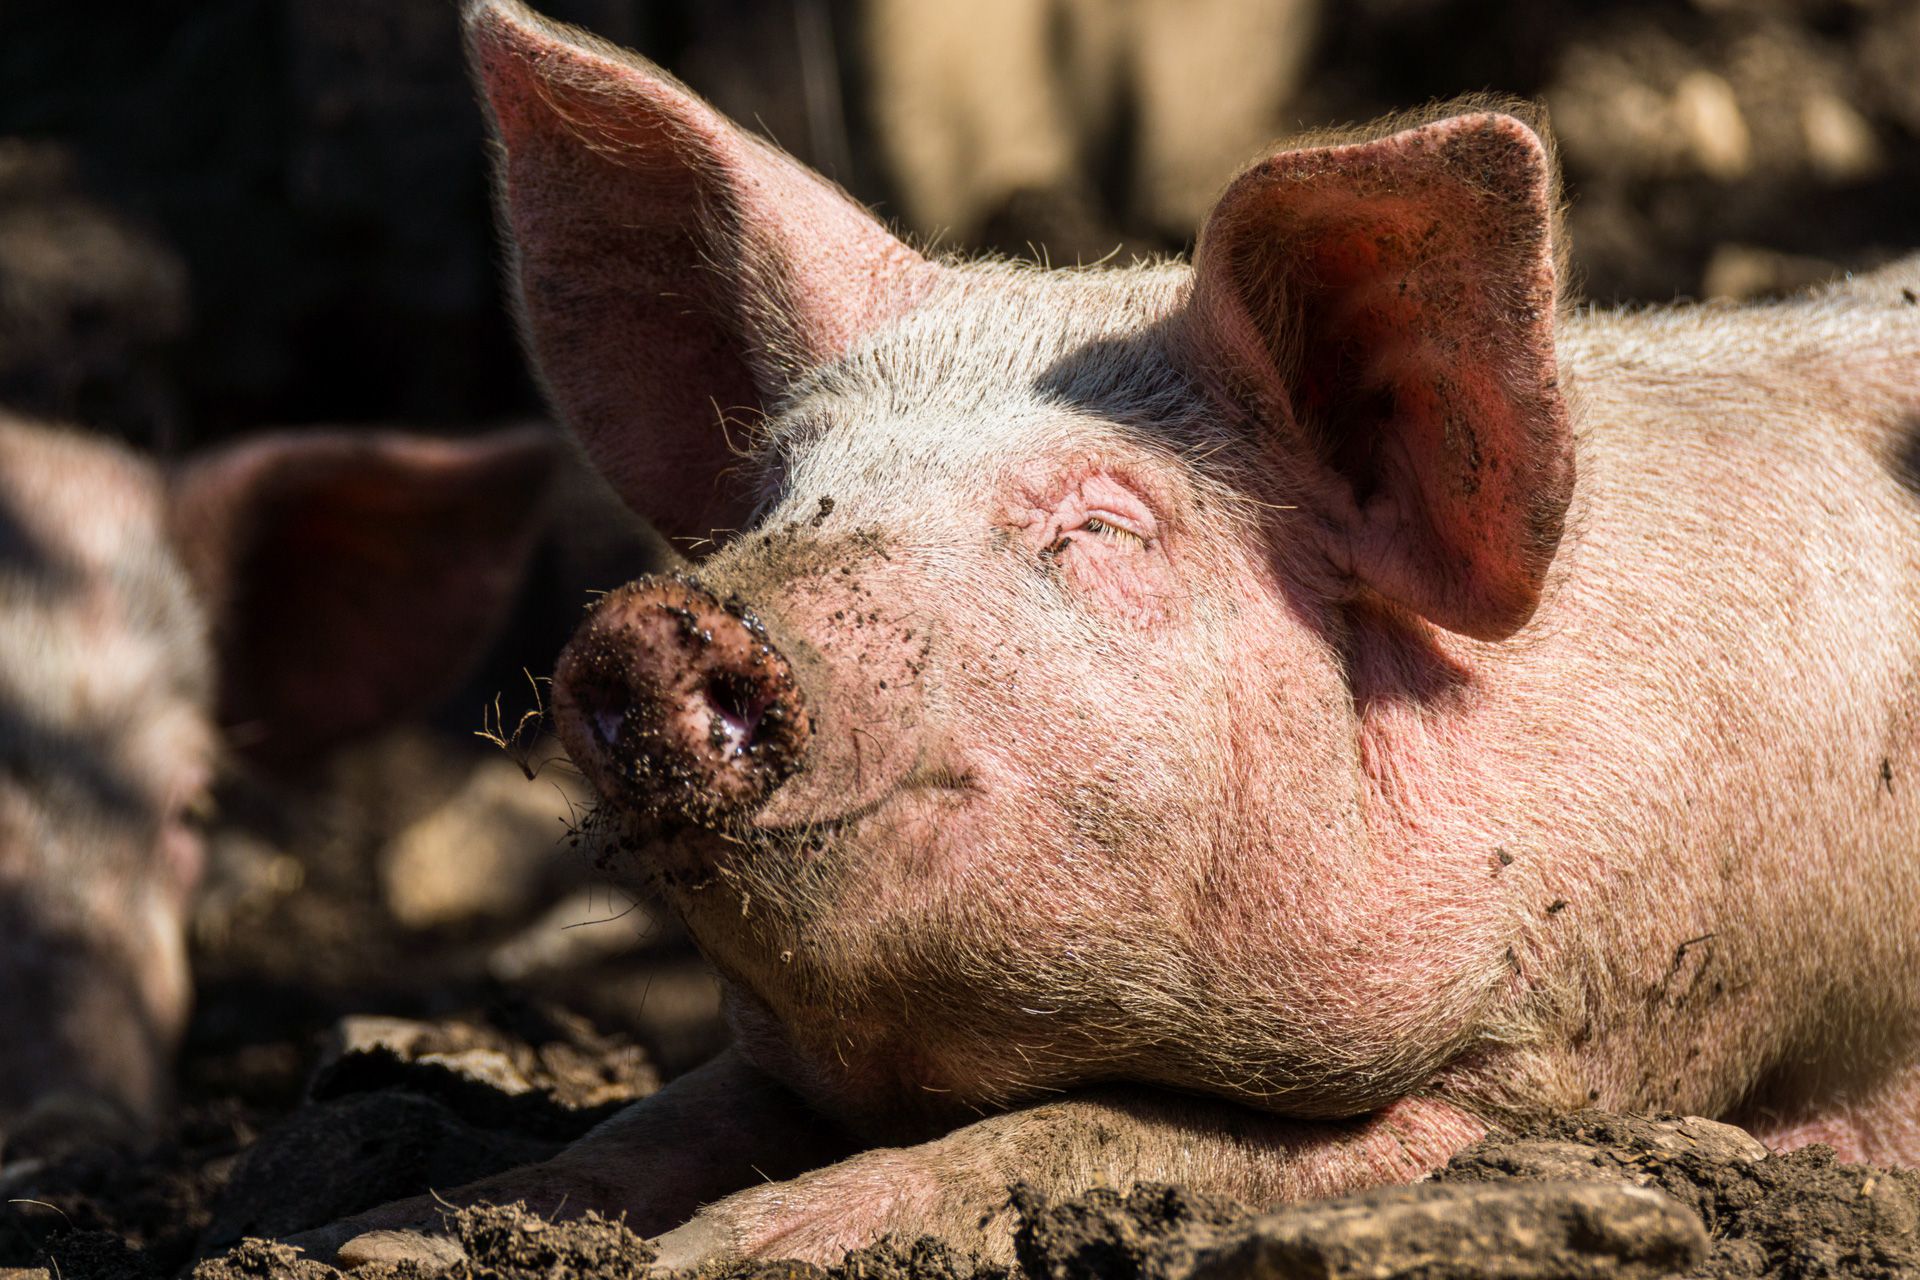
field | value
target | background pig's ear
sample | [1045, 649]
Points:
[672, 269]
[1389, 306]
[353, 578]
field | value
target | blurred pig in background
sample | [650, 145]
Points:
[295, 591]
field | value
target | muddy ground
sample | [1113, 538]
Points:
[422, 877]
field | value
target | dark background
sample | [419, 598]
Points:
[230, 214]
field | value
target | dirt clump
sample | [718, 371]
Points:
[1795, 1216]
[263, 1260]
[1433, 1231]
[890, 1258]
[95, 1255]
[1149, 1233]
[1579, 1197]
[406, 1105]
[496, 1241]
[148, 1201]
[569, 1073]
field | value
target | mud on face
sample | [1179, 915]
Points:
[678, 705]
[961, 893]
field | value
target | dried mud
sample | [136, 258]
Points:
[1584, 1196]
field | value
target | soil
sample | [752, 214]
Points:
[339, 1055]
[1794, 1216]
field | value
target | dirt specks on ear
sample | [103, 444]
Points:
[1385, 307]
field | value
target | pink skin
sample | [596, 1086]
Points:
[1220, 688]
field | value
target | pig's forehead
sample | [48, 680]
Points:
[98, 628]
[70, 504]
[1001, 363]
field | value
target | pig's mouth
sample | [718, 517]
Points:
[775, 822]
[685, 852]
[780, 826]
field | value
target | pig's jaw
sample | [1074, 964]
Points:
[789, 917]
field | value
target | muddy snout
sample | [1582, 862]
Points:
[677, 706]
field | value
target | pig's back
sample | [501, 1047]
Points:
[1755, 458]
[1724, 690]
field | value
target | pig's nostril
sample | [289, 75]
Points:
[606, 709]
[737, 709]
[607, 723]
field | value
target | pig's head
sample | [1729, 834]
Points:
[1009, 735]
[264, 601]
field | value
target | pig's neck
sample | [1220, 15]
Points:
[1425, 707]
[1448, 752]
[1373, 941]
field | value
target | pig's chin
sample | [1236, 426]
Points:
[789, 912]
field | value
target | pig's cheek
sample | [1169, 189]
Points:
[1125, 593]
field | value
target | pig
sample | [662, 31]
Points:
[259, 603]
[1260, 723]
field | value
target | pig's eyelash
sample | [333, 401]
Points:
[1112, 530]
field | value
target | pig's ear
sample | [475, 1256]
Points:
[1388, 307]
[672, 270]
[353, 578]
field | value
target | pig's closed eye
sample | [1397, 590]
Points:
[1095, 523]
[1113, 531]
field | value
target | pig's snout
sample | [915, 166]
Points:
[677, 705]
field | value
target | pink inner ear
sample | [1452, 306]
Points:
[673, 270]
[1389, 306]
